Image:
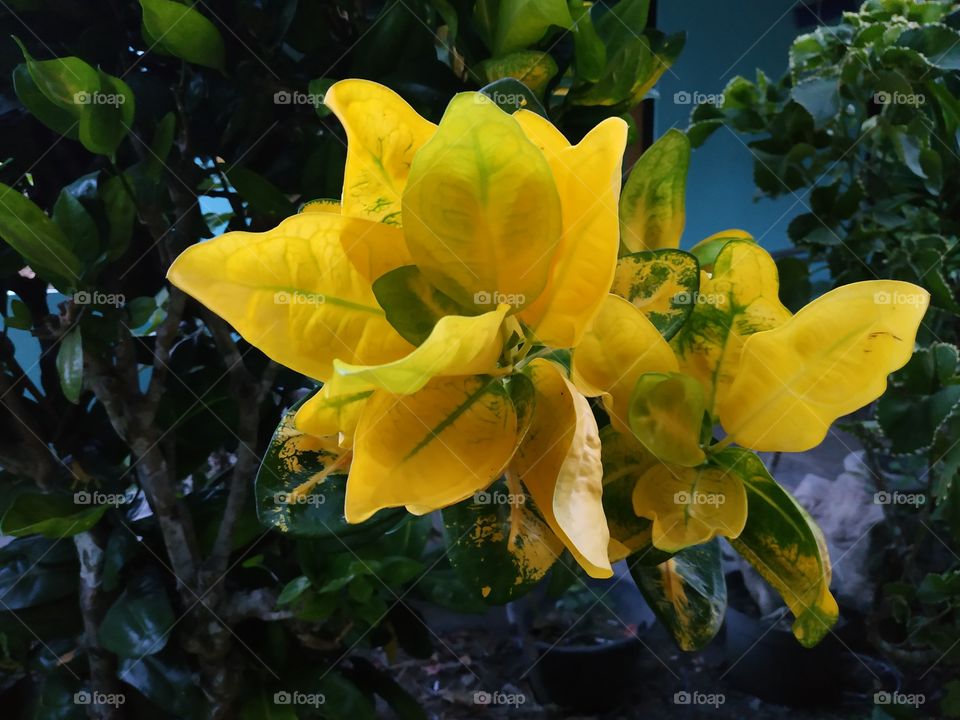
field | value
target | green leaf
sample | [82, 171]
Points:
[61, 121]
[511, 95]
[498, 543]
[652, 212]
[293, 459]
[589, 52]
[121, 214]
[661, 284]
[293, 589]
[687, 593]
[35, 570]
[50, 515]
[39, 240]
[412, 305]
[263, 196]
[534, 69]
[77, 224]
[317, 88]
[938, 44]
[182, 31]
[70, 365]
[165, 681]
[785, 546]
[139, 622]
[666, 415]
[19, 317]
[521, 23]
[819, 96]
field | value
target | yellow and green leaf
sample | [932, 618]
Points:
[831, 358]
[666, 416]
[533, 68]
[706, 250]
[660, 283]
[430, 449]
[331, 413]
[292, 293]
[785, 546]
[619, 346]
[560, 465]
[587, 177]
[412, 305]
[481, 209]
[687, 593]
[383, 135]
[652, 207]
[739, 299]
[689, 506]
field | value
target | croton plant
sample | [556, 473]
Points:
[504, 335]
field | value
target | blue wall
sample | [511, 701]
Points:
[725, 39]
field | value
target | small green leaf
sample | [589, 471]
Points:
[938, 44]
[70, 365]
[139, 622]
[50, 515]
[652, 205]
[589, 52]
[511, 95]
[183, 32]
[19, 317]
[293, 589]
[687, 593]
[522, 23]
[121, 214]
[412, 305]
[61, 121]
[661, 284]
[263, 196]
[534, 69]
[77, 224]
[317, 88]
[819, 96]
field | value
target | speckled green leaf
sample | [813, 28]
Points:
[660, 284]
[687, 593]
[785, 546]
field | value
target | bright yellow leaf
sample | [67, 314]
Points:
[383, 135]
[619, 346]
[588, 179]
[541, 132]
[481, 211]
[329, 413]
[373, 248]
[430, 449]
[321, 205]
[740, 298]
[690, 506]
[292, 293]
[559, 463]
[831, 358]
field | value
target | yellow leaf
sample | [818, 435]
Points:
[588, 179]
[559, 463]
[481, 210]
[666, 416]
[541, 132]
[383, 135]
[831, 358]
[373, 248]
[430, 449]
[690, 506]
[706, 250]
[458, 345]
[740, 298]
[329, 413]
[618, 347]
[292, 293]
[321, 205]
